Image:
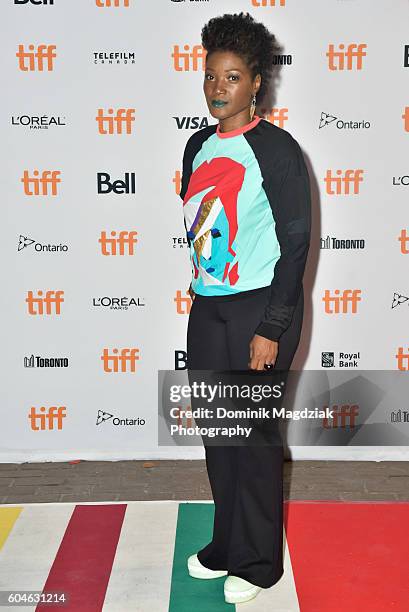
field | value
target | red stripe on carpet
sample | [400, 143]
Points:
[83, 563]
[349, 556]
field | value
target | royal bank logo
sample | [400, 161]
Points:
[341, 124]
[341, 360]
[331, 242]
[24, 242]
[103, 417]
[327, 359]
[112, 58]
[399, 299]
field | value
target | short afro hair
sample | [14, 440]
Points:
[252, 41]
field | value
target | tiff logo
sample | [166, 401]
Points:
[342, 416]
[113, 124]
[342, 182]
[405, 118]
[119, 363]
[44, 419]
[278, 116]
[267, 3]
[116, 246]
[184, 61]
[47, 305]
[346, 60]
[183, 304]
[36, 59]
[336, 303]
[402, 359]
[39, 185]
[115, 3]
[403, 238]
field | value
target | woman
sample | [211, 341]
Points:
[246, 203]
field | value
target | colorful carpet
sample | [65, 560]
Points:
[338, 557]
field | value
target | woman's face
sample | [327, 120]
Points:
[228, 80]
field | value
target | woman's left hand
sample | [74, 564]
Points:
[262, 351]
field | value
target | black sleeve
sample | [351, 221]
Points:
[193, 145]
[186, 172]
[287, 186]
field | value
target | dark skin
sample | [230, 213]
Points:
[228, 78]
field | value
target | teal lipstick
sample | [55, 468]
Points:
[218, 103]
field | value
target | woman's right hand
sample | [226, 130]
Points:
[191, 292]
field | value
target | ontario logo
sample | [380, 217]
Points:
[340, 124]
[103, 417]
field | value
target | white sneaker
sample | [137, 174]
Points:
[237, 590]
[197, 570]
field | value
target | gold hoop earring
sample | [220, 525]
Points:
[252, 107]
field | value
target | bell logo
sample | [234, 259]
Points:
[336, 303]
[30, 61]
[278, 116]
[50, 304]
[107, 3]
[404, 242]
[342, 416]
[110, 124]
[405, 118]
[116, 246]
[258, 3]
[183, 304]
[340, 184]
[353, 56]
[119, 363]
[45, 418]
[37, 185]
[402, 359]
[183, 61]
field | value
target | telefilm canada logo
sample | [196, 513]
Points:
[341, 360]
[328, 119]
[24, 242]
[39, 122]
[110, 58]
[331, 242]
[104, 417]
[179, 242]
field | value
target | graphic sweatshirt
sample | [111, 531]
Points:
[247, 214]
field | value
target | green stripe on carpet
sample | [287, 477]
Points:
[193, 531]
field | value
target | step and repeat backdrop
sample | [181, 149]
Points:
[99, 98]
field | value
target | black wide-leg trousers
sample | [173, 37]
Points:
[246, 481]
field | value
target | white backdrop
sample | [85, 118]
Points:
[71, 407]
